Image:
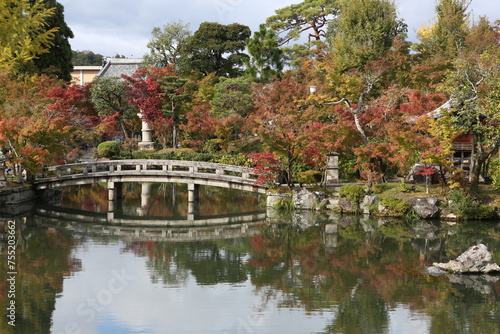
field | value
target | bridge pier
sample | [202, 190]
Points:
[193, 210]
[193, 201]
[115, 196]
[193, 192]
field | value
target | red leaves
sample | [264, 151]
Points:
[267, 167]
[427, 171]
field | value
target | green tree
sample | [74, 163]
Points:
[475, 86]
[446, 37]
[23, 31]
[363, 31]
[232, 96]
[109, 98]
[174, 99]
[57, 61]
[266, 58]
[309, 15]
[86, 58]
[165, 44]
[215, 47]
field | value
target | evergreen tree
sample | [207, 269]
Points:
[310, 15]
[57, 61]
[363, 31]
[215, 47]
[86, 58]
[165, 45]
[265, 60]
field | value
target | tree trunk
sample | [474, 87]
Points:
[359, 127]
[475, 172]
[174, 135]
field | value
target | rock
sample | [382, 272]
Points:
[476, 260]
[425, 207]
[304, 199]
[434, 271]
[346, 205]
[367, 202]
[273, 198]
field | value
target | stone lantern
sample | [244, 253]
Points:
[146, 142]
[3, 177]
[332, 168]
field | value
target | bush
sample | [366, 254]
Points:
[379, 188]
[353, 193]
[309, 177]
[284, 205]
[395, 207]
[465, 206]
[240, 159]
[495, 172]
[108, 149]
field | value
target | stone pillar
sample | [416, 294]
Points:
[111, 191]
[332, 168]
[193, 210]
[114, 196]
[146, 142]
[3, 178]
[193, 192]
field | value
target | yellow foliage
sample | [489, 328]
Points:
[425, 34]
[23, 33]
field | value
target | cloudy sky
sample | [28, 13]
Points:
[124, 26]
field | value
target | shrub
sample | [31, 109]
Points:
[395, 207]
[108, 149]
[465, 206]
[495, 172]
[353, 193]
[284, 205]
[309, 177]
[233, 159]
[379, 188]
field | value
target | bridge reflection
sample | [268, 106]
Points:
[152, 229]
[82, 216]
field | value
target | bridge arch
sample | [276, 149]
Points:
[194, 173]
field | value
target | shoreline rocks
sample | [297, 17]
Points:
[476, 260]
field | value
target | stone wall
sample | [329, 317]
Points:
[10, 196]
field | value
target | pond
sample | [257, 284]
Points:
[281, 274]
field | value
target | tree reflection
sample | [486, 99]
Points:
[43, 259]
[209, 262]
[370, 271]
[359, 270]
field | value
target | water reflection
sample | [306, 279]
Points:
[326, 275]
[159, 200]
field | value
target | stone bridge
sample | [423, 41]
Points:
[194, 173]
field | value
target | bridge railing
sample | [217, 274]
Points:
[148, 166]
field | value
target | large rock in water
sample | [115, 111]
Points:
[476, 260]
[425, 207]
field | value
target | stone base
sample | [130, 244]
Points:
[146, 145]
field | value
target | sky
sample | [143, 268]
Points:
[111, 27]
